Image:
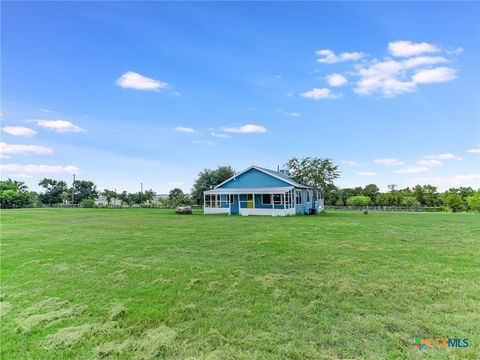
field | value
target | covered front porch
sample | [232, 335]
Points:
[276, 201]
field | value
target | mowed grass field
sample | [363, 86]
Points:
[146, 283]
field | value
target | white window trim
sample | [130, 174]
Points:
[282, 199]
[298, 195]
[271, 199]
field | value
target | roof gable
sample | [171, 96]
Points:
[255, 176]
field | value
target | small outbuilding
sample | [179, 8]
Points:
[260, 191]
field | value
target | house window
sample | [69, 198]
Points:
[308, 196]
[266, 199]
[229, 199]
[278, 199]
[299, 197]
[212, 200]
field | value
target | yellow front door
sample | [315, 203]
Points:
[250, 201]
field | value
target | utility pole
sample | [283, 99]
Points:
[73, 190]
[141, 194]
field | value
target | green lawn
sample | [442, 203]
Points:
[146, 283]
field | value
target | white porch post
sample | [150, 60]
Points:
[229, 204]
[204, 202]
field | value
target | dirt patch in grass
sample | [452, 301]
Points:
[66, 337]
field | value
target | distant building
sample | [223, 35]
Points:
[259, 191]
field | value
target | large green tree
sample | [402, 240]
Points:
[473, 201]
[426, 195]
[84, 189]
[55, 191]
[207, 179]
[109, 195]
[175, 194]
[15, 194]
[316, 172]
[372, 191]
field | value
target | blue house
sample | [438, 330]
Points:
[259, 191]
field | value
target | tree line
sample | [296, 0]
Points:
[455, 199]
[317, 172]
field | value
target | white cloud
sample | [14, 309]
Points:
[318, 94]
[328, 56]
[46, 110]
[185, 129]
[60, 126]
[203, 142]
[412, 170]
[16, 149]
[336, 80]
[287, 113]
[432, 162]
[133, 80]
[248, 128]
[435, 75]
[474, 150]
[23, 176]
[448, 182]
[44, 169]
[351, 163]
[391, 77]
[383, 77]
[220, 135]
[407, 48]
[18, 131]
[388, 161]
[366, 173]
[423, 60]
[175, 94]
[443, 157]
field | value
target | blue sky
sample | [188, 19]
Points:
[123, 93]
